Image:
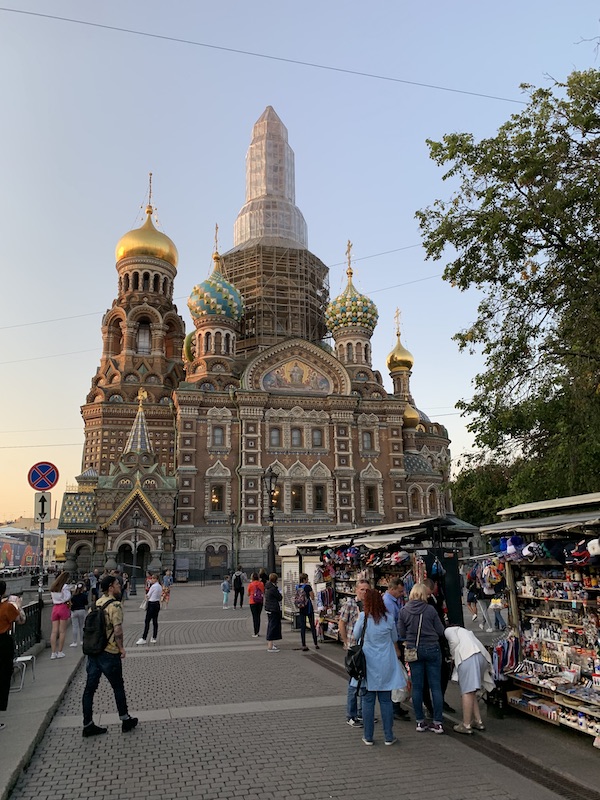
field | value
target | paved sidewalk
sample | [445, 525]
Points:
[222, 718]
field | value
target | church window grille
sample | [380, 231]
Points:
[371, 498]
[319, 498]
[297, 498]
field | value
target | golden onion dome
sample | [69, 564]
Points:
[147, 241]
[411, 416]
[399, 358]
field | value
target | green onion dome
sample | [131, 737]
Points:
[215, 297]
[351, 310]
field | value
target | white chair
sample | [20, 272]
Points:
[20, 663]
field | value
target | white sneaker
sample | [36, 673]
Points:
[60, 655]
[53, 656]
[73, 644]
[255, 635]
[141, 641]
[489, 630]
[272, 650]
[152, 641]
[474, 617]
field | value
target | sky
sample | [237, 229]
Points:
[88, 111]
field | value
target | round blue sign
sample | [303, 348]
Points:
[43, 476]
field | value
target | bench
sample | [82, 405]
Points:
[20, 663]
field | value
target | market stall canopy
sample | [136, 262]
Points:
[575, 501]
[558, 523]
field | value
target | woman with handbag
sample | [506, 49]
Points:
[420, 627]
[273, 608]
[381, 651]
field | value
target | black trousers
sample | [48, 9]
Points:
[311, 623]
[152, 610]
[238, 593]
[7, 652]
[256, 610]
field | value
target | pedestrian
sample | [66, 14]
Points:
[10, 612]
[61, 613]
[147, 581]
[496, 605]
[262, 576]
[239, 579]
[226, 588]
[167, 584]
[94, 577]
[473, 670]
[108, 663]
[393, 600]
[79, 603]
[472, 595]
[256, 598]
[306, 611]
[420, 627]
[437, 600]
[273, 609]
[349, 613]
[125, 587]
[153, 596]
[382, 653]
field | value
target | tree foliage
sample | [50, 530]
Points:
[524, 227]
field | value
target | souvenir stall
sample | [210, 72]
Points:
[410, 551]
[552, 568]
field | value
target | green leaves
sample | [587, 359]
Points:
[523, 226]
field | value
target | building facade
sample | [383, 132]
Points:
[274, 377]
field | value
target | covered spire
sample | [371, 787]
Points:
[270, 209]
[139, 439]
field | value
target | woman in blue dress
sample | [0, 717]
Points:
[383, 670]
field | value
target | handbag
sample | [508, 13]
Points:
[410, 653]
[143, 605]
[402, 694]
[355, 661]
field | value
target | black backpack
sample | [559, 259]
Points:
[237, 582]
[94, 630]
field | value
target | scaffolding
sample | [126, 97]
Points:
[285, 290]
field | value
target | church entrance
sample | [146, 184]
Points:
[216, 562]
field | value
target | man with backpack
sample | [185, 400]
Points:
[239, 579]
[103, 645]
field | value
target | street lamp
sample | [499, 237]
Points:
[232, 521]
[270, 483]
[136, 524]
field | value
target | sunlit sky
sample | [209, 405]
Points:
[88, 112]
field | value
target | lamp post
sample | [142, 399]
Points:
[270, 483]
[136, 525]
[232, 521]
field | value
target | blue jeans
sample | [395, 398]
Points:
[109, 665]
[354, 703]
[428, 663]
[387, 714]
[499, 619]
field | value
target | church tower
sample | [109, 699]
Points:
[142, 340]
[284, 286]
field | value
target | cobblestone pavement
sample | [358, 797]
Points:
[221, 718]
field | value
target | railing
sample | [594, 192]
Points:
[27, 635]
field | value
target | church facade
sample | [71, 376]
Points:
[275, 378]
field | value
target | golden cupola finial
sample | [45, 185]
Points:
[400, 357]
[349, 270]
[147, 240]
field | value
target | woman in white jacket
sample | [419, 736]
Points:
[472, 669]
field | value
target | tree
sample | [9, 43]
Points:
[525, 227]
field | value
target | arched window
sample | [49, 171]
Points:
[216, 498]
[298, 497]
[317, 437]
[146, 282]
[156, 283]
[296, 437]
[318, 498]
[218, 436]
[371, 498]
[207, 342]
[136, 280]
[432, 501]
[227, 343]
[366, 354]
[218, 338]
[126, 283]
[144, 339]
[165, 286]
[367, 440]
[415, 505]
[349, 353]
[275, 437]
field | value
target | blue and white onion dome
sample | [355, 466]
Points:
[351, 310]
[215, 297]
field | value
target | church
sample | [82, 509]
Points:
[267, 421]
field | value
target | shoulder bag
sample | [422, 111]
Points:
[410, 653]
[355, 661]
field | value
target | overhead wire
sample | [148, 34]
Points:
[267, 56]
